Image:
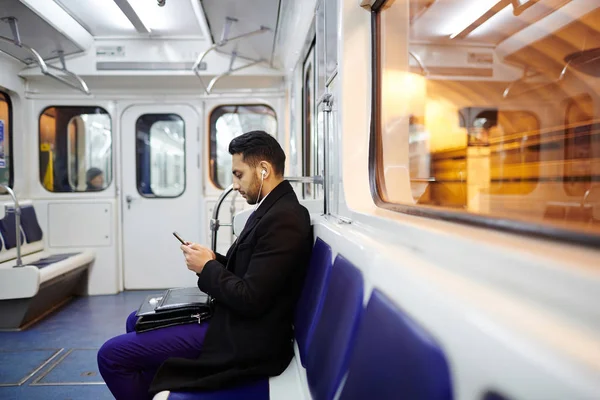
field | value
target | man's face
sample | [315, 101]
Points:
[245, 179]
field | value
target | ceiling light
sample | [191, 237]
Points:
[483, 10]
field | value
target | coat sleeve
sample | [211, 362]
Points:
[221, 258]
[281, 239]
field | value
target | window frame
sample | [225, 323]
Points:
[9, 132]
[112, 152]
[137, 177]
[377, 184]
[213, 117]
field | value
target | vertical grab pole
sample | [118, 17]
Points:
[17, 221]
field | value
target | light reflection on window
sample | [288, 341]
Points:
[228, 122]
[476, 119]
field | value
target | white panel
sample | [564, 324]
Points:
[287, 385]
[73, 225]
[19, 283]
[295, 21]
[61, 21]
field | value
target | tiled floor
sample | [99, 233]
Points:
[69, 338]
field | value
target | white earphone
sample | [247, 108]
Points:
[262, 180]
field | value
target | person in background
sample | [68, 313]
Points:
[94, 179]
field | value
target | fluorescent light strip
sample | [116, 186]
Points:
[132, 16]
[518, 7]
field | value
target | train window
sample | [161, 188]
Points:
[75, 153]
[578, 146]
[308, 120]
[320, 49]
[6, 168]
[331, 25]
[160, 155]
[488, 134]
[228, 122]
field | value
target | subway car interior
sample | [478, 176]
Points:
[448, 152]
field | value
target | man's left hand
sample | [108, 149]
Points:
[196, 256]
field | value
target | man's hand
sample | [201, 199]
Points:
[196, 256]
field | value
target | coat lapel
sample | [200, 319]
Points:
[280, 190]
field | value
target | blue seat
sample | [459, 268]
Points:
[395, 358]
[253, 391]
[327, 358]
[30, 225]
[305, 320]
[310, 302]
[7, 230]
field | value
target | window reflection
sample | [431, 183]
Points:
[75, 149]
[497, 122]
[228, 122]
[6, 176]
[160, 155]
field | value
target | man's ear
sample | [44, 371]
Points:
[265, 169]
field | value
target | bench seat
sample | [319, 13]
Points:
[43, 281]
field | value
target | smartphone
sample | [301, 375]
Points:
[178, 237]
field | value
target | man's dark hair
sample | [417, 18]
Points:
[257, 146]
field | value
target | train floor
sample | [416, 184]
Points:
[55, 358]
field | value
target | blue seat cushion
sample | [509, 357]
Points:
[329, 349]
[395, 358]
[311, 299]
[8, 228]
[30, 225]
[258, 390]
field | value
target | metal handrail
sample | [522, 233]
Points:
[215, 224]
[44, 68]
[224, 40]
[424, 70]
[560, 78]
[17, 221]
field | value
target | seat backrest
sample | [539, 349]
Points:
[7, 230]
[30, 224]
[394, 351]
[311, 299]
[328, 353]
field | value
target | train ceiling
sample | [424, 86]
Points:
[41, 24]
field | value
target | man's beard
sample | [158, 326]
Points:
[252, 195]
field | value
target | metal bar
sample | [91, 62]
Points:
[44, 67]
[37, 58]
[17, 222]
[14, 28]
[305, 179]
[214, 47]
[560, 78]
[214, 80]
[418, 60]
[233, 57]
[214, 222]
[228, 22]
[81, 86]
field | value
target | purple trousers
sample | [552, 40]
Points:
[129, 362]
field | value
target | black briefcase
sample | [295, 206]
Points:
[173, 307]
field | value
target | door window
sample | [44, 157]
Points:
[160, 155]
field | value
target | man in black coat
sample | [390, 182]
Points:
[255, 288]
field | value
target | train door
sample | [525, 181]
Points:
[161, 193]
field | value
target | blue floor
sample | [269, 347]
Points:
[66, 342]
